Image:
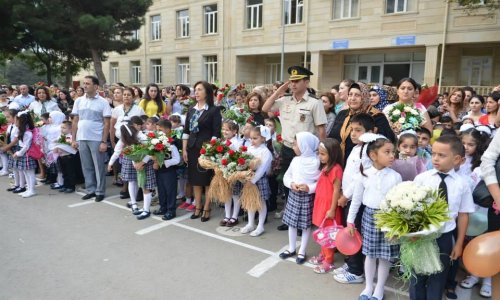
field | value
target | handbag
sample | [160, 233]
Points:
[326, 236]
[35, 149]
[481, 194]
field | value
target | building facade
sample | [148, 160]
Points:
[379, 41]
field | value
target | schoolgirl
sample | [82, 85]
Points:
[261, 144]
[23, 162]
[408, 164]
[301, 178]
[370, 191]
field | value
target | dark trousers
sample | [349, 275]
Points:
[356, 262]
[68, 164]
[451, 283]
[273, 185]
[167, 189]
[432, 287]
[287, 155]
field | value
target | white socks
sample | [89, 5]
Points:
[305, 239]
[262, 215]
[17, 177]
[5, 162]
[383, 273]
[132, 190]
[236, 207]
[292, 239]
[30, 179]
[147, 202]
[60, 179]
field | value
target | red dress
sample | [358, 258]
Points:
[323, 197]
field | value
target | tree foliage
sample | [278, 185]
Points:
[473, 6]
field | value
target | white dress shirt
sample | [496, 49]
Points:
[351, 170]
[489, 160]
[371, 189]
[459, 194]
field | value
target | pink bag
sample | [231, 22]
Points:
[35, 150]
[326, 236]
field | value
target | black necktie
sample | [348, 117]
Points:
[442, 186]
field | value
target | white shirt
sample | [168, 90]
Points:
[91, 113]
[466, 167]
[303, 170]
[459, 194]
[351, 171]
[120, 145]
[118, 113]
[372, 189]
[24, 101]
[266, 158]
[50, 105]
[235, 143]
[25, 143]
[489, 159]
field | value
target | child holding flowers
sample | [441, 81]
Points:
[370, 190]
[231, 208]
[260, 137]
[408, 164]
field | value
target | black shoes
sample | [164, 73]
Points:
[99, 198]
[168, 216]
[88, 196]
[124, 195]
[12, 188]
[143, 215]
[301, 259]
[283, 227]
[66, 190]
[159, 212]
[286, 254]
[19, 190]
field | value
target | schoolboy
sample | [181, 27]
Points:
[447, 152]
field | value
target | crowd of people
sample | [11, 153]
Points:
[332, 157]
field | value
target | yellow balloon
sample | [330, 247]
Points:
[482, 255]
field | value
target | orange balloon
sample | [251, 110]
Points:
[482, 255]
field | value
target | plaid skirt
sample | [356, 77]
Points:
[237, 188]
[128, 171]
[298, 210]
[12, 161]
[150, 176]
[25, 163]
[375, 245]
[264, 189]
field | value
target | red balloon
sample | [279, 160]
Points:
[347, 244]
[482, 254]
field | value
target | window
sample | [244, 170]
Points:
[114, 72]
[273, 72]
[399, 6]
[254, 14]
[183, 23]
[183, 70]
[293, 11]
[344, 9]
[135, 35]
[476, 70]
[136, 72]
[156, 71]
[210, 19]
[210, 68]
[155, 28]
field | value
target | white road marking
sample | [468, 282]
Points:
[264, 266]
[80, 204]
[162, 224]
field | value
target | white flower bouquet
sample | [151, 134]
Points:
[405, 117]
[413, 215]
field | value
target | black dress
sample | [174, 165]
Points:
[381, 124]
[209, 125]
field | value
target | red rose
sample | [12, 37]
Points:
[228, 143]
[241, 110]
[279, 138]
[159, 147]
[220, 97]
[231, 152]
[224, 162]
[213, 142]
[170, 140]
[276, 113]
[241, 161]
[203, 151]
[151, 135]
[243, 149]
[219, 149]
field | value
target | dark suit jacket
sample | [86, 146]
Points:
[209, 124]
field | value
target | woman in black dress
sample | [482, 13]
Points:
[203, 121]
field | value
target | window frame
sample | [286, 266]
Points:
[210, 20]
[183, 24]
[114, 72]
[183, 70]
[156, 71]
[210, 68]
[155, 28]
[353, 13]
[396, 5]
[135, 72]
[299, 11]
[250, 10]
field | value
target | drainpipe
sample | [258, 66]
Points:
[306, 21]
[443, 45]
[282, 40]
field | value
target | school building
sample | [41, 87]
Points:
[376, 41]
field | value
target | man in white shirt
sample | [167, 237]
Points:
[24, 99]
[91, 120]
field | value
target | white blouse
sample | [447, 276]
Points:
[25, 143]
[351, 170]
[372, 189]
[120, 145]
[266, 158]
[303, 170]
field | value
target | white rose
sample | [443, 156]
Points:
[396, 112]
[401, 120]
[414, 112]
[155, 141]
[407, 109]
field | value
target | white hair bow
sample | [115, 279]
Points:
[265, 132]
[409, 131]
[23, 112]
[370, 137]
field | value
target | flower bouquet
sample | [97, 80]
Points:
[405, 117]
[136, 153]
[240, 115]
[186, 104]
[159, 146]
[413, 215]
[211, 155]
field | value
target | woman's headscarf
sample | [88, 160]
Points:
[54, 128]
[57, 117]
[308, 144]
[365, 95]
[382, 93]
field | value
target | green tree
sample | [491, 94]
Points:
[472, 6]
[19, 72]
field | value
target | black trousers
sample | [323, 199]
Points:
[356, 262]
[287, 155]
[432, 287]
[67, 164]
[167, 189]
